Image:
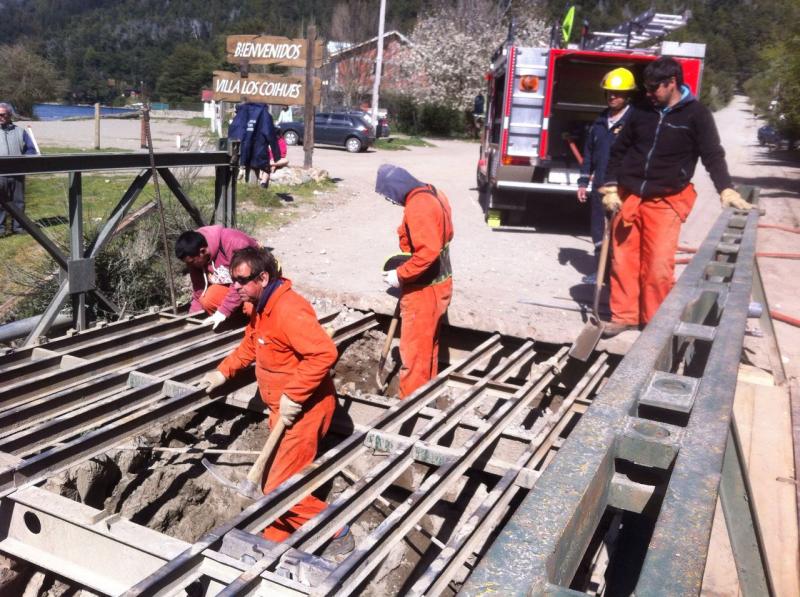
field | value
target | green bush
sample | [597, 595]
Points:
[413, 118]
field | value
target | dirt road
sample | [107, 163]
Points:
[338, 252]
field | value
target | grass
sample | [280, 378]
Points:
[47, 204]
[51, 149]
[198, 121]
[401, 143]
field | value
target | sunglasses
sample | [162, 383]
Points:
[653, 86]
[5, 115]
[242, 280]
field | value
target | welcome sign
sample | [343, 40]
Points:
[260, 49]
[264, 89]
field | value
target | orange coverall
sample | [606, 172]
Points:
[644, 240]
[293, 356]
[215, 295]
[428, 220]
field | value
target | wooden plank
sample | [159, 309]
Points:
[764, 422]
[262, 49]
[264, 89]
[762, 412]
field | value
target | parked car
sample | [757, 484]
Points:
[348, 130]
[382, 130]
[769, 135]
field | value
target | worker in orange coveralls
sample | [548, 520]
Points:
[425, 279]
[648, 184]
[293, 355]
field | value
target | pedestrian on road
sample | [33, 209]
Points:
[425, 279]
[207, 253]
[14, 141]
[293, 356]
[285, 115]
[619, 84]
[649, 182]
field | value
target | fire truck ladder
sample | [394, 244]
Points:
[648, 26]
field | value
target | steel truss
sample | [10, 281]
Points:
[78, 267]
[656, 441]
[653, 442]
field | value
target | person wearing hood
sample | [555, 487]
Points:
[207, 253]
[425, 279]
[648, 186]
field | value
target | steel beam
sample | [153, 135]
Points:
[49, 164]
[681, 441]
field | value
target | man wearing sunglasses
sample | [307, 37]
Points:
[293, 355]
[13, 141]
[648, 185]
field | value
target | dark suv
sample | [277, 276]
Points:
[349, 130]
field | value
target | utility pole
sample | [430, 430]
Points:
[308, 108]
[378, 65]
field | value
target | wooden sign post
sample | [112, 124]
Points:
[244, 86]
[308, 109]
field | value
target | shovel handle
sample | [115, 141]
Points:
[389, 337]
[256, 473]
[603, 262]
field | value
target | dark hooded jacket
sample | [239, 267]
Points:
[656, 152]
[395, 183]
[253, 126]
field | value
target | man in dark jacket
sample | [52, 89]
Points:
[618, 84]
[253, 127]
[13, 141]
[649, 182]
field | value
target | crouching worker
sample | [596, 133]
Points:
[293, 355]
[425, 280]
[207, 253]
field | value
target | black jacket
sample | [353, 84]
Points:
[656, 152]
[597, 148]
[253, 126]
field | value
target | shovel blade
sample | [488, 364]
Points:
[244, 488]
[587, 340]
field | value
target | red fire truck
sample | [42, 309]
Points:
[540, 103]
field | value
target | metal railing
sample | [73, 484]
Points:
[78, 267]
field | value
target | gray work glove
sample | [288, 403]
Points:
[212, 380]
[289, 410]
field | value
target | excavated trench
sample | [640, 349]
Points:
[157, 480]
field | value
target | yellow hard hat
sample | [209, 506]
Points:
[619, 79]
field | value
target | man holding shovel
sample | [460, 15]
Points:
[648, 185]
[293, 355]
[425, 279]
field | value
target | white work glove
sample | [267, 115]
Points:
[216, 319]
[731, 198]
[390, 278]
[212, 380]
[289, 410]
[611, 200]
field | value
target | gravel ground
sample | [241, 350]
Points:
[336, 251]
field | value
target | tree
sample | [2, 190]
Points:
[185, 73]
[452, 47]
[27, 78]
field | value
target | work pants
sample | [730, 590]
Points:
[297, 450]
[421, 312]
[215, 295]
[12, 190]
[644, 240]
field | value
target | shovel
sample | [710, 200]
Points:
[250, 487]
[590, 335]
[379, 381]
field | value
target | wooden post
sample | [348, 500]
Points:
[97, 126]
[308, 112]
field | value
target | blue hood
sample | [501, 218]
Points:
[395, 183]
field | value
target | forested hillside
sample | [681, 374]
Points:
[101, 48]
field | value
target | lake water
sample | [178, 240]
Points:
[61, 111]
